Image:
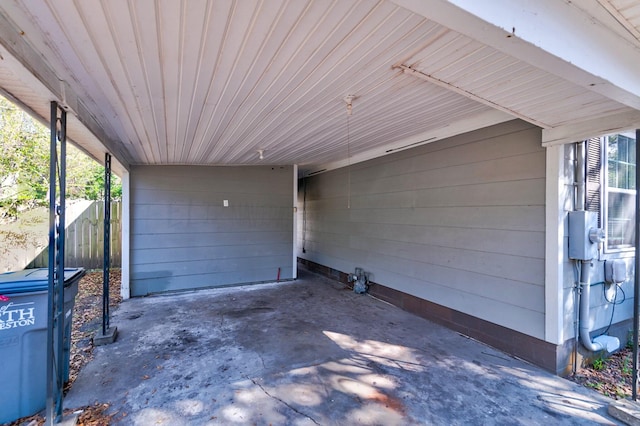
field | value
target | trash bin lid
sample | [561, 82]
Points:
[32, 280]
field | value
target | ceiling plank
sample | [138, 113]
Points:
[410, 71]
[606, 4]
[552, 35]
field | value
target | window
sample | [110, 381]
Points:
[620, 191]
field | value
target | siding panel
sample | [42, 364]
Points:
[182, 236]
[481, 152]
[459, 222]
[526, 166]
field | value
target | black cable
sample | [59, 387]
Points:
[613, 303]
[304, 215]
[615, 300]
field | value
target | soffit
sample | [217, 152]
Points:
[213, 82]
[627, 13]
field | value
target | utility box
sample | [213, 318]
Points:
[584, 235]
[24, 301]
[615, 271]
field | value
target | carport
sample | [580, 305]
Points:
[430, 143]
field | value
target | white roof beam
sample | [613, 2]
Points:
[410, 71]
[592, 128]
[555, 36]
[25, 59]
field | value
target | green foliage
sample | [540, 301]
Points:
[598, 363]
[24, 159]
[94, 187]
[627, 368]
[24, 165]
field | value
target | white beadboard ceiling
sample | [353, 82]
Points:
[213, 82]
[626, 12]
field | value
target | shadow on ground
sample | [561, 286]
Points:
[312, 352]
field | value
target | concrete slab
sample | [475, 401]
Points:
[310, 352]
[107, 338]
[627, 411]
[69, 420]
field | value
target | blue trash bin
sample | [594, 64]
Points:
[23, 338]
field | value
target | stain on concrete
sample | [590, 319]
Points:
[307, 352]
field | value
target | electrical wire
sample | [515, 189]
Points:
[304, 215]
[613, 302]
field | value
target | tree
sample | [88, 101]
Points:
[24, 159]
[24, 165]
[94, 187]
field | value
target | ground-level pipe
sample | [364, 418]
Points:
[608, 343]
[585, 293]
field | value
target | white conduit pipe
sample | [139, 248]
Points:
[585, 265]
[605, 342]
[581, 176]
[585, 296]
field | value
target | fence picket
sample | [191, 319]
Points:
[84, 244]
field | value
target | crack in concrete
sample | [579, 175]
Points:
[282, 402]
[262, 359]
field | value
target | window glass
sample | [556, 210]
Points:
[620, 191]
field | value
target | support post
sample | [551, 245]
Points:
[636, 279]
[107, 243]
[55, 323]
[108, 334]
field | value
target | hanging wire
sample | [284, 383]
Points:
[304, 215]
[613, 303]
[348, 161]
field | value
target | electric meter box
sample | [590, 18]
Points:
[582, 225]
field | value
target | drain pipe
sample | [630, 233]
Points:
[585, 293]
[580, 176]
[584, 285]
[588, 235]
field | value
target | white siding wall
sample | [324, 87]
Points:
[182, 235]
[458, 222]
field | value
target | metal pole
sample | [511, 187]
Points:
[52, 260]
[107, 243]
[60, 319]
[636, 280]
[55, 322]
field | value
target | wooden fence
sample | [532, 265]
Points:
[84, 244]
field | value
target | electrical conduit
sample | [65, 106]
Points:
[601, 342]
[585, 296]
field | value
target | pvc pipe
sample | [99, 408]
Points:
[585, 265]
[585, 286]
[581, 176]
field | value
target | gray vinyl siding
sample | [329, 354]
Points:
[182, 236]
[459, 222]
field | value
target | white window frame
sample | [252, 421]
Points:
[604, 184]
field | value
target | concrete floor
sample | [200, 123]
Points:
[310, 352]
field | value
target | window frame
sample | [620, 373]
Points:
[605, 190]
